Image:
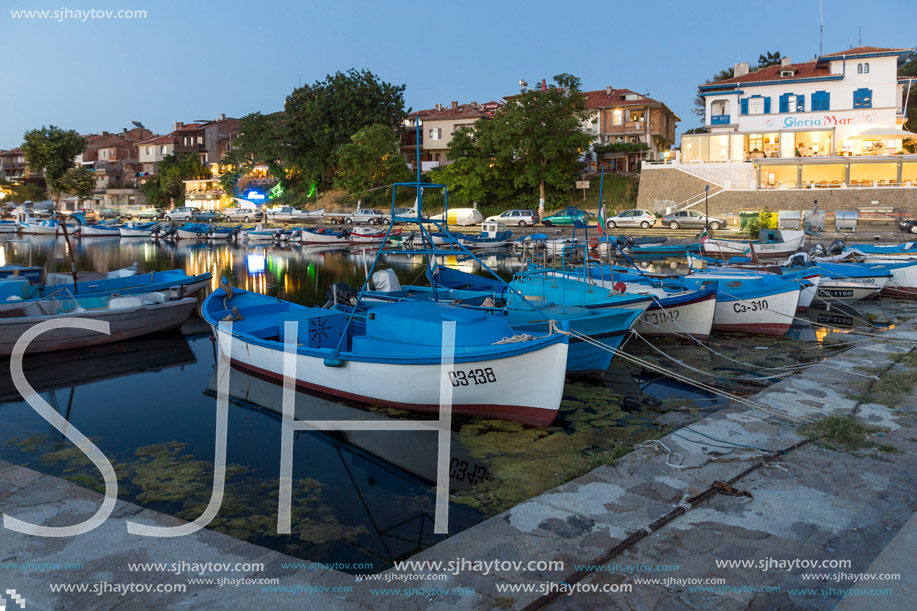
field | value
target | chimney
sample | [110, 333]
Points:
[785, 61]
[123, 130]
[177, 126]
[454, 104]
[222, 117]
[474, 104]
[439, 107]
[544, 84]
[608, 90]
[104, 133]
[740, 69]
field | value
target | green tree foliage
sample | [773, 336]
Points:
[323, 116]
[168, 186]
[531, 145]
[27, 192]
[52, 150]
[371, 159]
[262, 141]
[78, 181]
[909, 68]
[620, 147]
[768, 59]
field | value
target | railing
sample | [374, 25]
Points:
[696, 199]
[719, 120]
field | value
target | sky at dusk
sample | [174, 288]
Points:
[193, 60]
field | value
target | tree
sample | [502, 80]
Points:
[169, 186]
[768, 59]
[27, 192]
[78, 181]
[909, 68]
[700, 105]
[52, 150]
[372, 159]
[540, 133]
[262, 140]
[323, 116]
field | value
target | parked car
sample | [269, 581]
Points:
[32, 212]
[246, 215]
[569, 216]
[909, 226]
[181, 214]
[149, 214]
[516, 217]
[88, 213]
[690, 219]
[631, 218]
[370, 216]
[207, 216]
[109, 213]
[405, 212]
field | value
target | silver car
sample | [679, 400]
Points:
[243, 214]
[631, 218]
[690, 219]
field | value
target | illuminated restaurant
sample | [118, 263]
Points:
[836, 121]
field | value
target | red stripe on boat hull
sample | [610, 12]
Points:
[756, 329]
[520, 413]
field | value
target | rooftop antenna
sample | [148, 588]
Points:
[860, 43]
[821, 21]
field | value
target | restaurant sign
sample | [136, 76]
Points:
[818, 121]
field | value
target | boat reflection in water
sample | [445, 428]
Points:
[389, 476]
[72, 368]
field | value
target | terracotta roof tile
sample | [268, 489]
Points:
[864, 50]
[772, 73]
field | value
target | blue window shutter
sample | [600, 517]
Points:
[800, 103]
[744, 106]
[826, 101]
[767, 105]
[785, 102]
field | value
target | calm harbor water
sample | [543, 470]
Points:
[149, 404]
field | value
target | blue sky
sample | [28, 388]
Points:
[192, 60]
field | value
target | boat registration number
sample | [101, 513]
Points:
[472, 376]
[461, 471]
[750, 306]
[835, 293]
[658, 318]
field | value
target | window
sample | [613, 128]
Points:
[756, 105]
[617, 117]
[859, 68]
[149, 150]
[789, 102]
[162, 150]
[436, 133]
[866, 68]
[637, 115]
[862, 98]
[821, 100]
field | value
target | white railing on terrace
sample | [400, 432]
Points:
[697, 199]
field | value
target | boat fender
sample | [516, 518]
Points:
[198, 234]
[620, 287]
[333, 362]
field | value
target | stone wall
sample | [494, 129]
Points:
[661, 188]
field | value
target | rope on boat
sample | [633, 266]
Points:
[780, 416]
[522, 337]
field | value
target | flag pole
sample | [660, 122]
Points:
[601, 219]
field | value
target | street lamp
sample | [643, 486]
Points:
[706, 209]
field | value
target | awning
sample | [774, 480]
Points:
[883, 133]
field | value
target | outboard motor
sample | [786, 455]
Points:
[340, 292]
[628, 242]
[817, 250]
[836, 247]
[799, 259]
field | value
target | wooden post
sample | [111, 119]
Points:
[63, 223]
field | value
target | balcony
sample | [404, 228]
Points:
[719, 119]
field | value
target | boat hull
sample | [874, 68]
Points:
[765, 315]
[124, 323]
[694, 318]
[515, 395]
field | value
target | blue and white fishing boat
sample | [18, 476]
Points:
[493, 235]
[192, 231]
[605, 328]
[101, 230]
[46, 227]
[393, 354]
[258, 234]
[675, 310]
[17, 293]
[133, 229]
[771, 244]
[222, 233]
[322, 236]
[756, 304]
[127, 317]
[9, 227]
